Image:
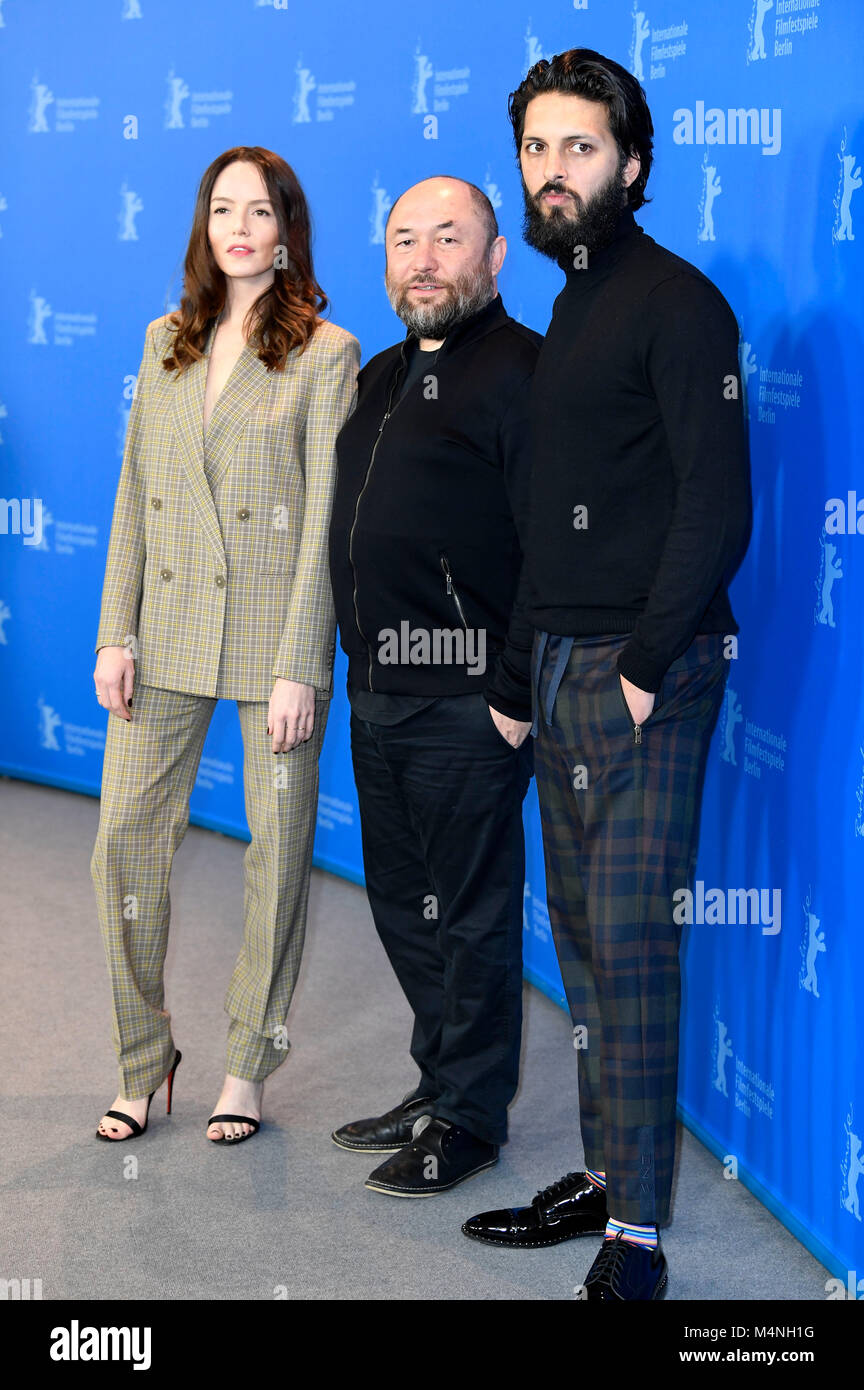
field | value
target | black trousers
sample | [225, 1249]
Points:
[440, 797]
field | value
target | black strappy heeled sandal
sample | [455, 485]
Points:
[238, 1119]
[138, 1130]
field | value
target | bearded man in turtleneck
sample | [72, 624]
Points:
[639, 514]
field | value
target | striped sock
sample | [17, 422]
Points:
[646, 1236]
[598, 1178]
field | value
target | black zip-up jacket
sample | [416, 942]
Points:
[423, 533]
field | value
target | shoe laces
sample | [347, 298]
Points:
[554, 1190]
[610, 1261]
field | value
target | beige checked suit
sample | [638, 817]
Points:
[217, 568]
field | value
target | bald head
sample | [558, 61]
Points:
[443, 255]
[466, 197]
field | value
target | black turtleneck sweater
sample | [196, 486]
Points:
[640, 496]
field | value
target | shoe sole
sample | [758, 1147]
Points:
[529, 1244]
[402, 1192]
[368, 1148]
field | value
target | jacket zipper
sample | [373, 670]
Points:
[451, 589]
[388, 412]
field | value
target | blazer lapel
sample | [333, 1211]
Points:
[187, 409]
[241, 392]
[227, 421]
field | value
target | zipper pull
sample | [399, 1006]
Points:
[449, 585]
[637, 733]
[384, 422]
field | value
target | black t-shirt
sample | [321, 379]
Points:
[420, 362]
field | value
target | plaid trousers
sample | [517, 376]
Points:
[620, 813]
[149, 770]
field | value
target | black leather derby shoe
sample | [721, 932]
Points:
[383, 1133]
[440, 1156]
[573, 1206]
[624, 1272]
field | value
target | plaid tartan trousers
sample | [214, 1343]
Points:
[620, 823]
[217, 570]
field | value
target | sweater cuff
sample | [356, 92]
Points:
[642, 670]
[508, 707]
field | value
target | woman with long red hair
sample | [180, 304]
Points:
[217, 587]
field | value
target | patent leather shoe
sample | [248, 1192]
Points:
[624, 1273]
[572, 1206]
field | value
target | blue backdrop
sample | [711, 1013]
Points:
[111, 112]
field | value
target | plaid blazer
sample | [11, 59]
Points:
[225, 584]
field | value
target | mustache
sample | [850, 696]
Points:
[556, 188]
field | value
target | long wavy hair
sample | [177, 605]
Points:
[284, 315]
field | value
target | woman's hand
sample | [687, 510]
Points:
[115, 679]
[291, 716]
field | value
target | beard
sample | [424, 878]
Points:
[463, 296]
[558, 232]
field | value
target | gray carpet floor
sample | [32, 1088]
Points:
[174, 1216]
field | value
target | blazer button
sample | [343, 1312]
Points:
[220, 581]
[156, 503]
[166, 574]
[243, 513]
